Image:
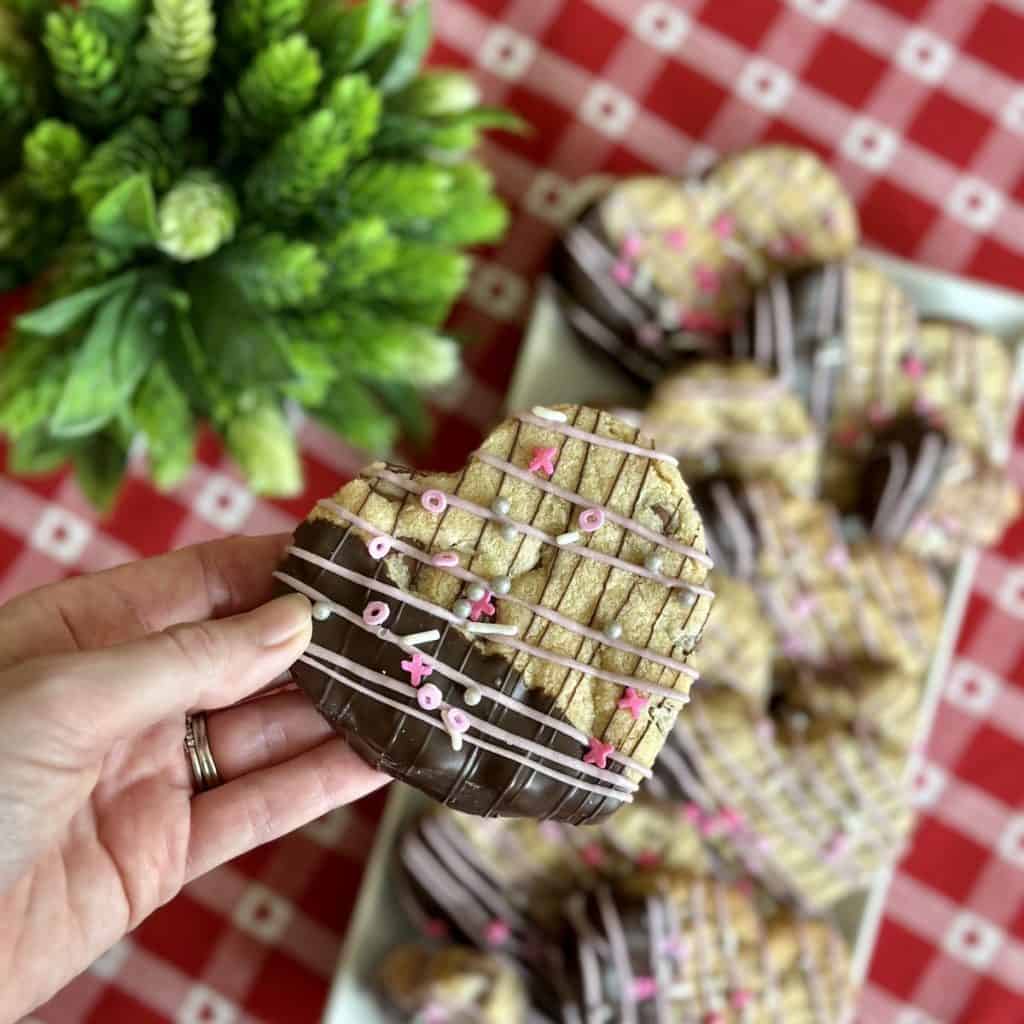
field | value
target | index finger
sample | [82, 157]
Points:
[222, 577]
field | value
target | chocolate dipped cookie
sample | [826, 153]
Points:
[512, 638]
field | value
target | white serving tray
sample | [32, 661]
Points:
[553, 368]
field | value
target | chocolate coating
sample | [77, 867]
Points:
[901, 475]
[470, 779]
[620, 324]
[730, 526]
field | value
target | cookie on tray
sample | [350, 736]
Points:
[844, 338]
[642, 277]
[737, 647]
[755, 529]
[735, 419]
[786, 205]
[452, 985]
[702, 950]
[812, 807]
[509, 638]
[936, 498]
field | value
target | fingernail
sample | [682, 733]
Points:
[280, 620]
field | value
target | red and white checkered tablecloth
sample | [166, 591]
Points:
[919, 105]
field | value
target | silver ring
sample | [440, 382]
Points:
[200, 757]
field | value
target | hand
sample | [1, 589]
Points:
[98, 822]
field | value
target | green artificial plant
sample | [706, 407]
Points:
[225, 207]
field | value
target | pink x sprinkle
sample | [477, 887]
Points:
[644, 987]
[598, 753]
[675, 238]
[725, 225]
[481, 606]
[912, 365]
[497, 932]
[543, 461]
[417, 668]
[648, 859]
[622, 272]
[740, 999]
[708, 279]
[592, 855]
[633, 702]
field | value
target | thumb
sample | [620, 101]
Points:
[121, 690]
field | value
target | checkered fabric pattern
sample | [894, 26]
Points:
[919, 105]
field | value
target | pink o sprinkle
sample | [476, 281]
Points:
[632, 245]
[648, 859]
[428, 696]
[592, 855]
[375, 613]
[725, 225]
[591, 519]
[497, 932]
[456, 720]
[740, 999]
[878, 414]
[434, 501]
[379, 546]
[445, 560]
[675, 238]
[708, 279]
[912, 365]
[644, 988]
[622, 272]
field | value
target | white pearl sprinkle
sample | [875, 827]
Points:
[613, 631]
[501, 585]
[509, 533]
[473, 696]
[687, 599]
[567, 538]
[653, 563]
[553, 415]
[475, 591]
[501, 506]
[462, 608]
[321, 611]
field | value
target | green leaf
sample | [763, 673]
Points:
[100, 465]
[352, 410]
[162, 415]
[32, 373]
[262, 444]
[115, 353]
[348, 37]
[126, 215]
[396, 65]
[57, 317]
[404, 402]
[276, 272]
[37, 452]
[243, 346]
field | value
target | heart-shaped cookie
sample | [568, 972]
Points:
[702, 950]
[514, 638]
[813, 808]
[658, 266]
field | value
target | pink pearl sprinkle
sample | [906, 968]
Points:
[497, 932]
[622, 272]
[644, 988]
[675, 238]
[740, 999]
[913, 366]
[591, 519]
[456, 720]
[725, 226]
[428, 696]
[445, 560]
[379, 547]
[375, 613]
[631, 247]
[434, 501]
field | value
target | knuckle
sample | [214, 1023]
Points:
[199, 644]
